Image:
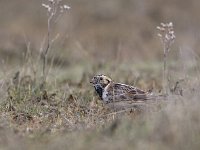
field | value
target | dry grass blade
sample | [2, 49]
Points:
[167, 37]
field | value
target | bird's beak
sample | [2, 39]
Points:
[91, 81]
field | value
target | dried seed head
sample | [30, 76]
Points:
[54, 7]
[66, 7]
[160, 35]
[160, 28]
[51, 1]
[166, 34]
[170, 24]
[47, 7]
[163, 25]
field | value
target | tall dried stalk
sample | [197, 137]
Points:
[54, 10]
[167, 37]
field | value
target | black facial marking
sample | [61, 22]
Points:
[99, 90]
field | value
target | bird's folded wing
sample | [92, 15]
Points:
[122, 88]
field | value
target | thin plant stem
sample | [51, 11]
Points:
[165, 72]
[45, 54]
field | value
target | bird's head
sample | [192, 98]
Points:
[100, 80]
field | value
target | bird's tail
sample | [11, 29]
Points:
[147, 96]
[140, 97]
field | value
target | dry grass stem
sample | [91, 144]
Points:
[54, 10]
[167, 37]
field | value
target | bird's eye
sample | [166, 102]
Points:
[101, 78]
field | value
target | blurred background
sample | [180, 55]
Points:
[99, 30]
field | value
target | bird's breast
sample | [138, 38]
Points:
[99, 90]
[105, 96]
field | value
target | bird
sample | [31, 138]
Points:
[109, 91]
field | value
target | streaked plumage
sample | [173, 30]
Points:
[109, 91]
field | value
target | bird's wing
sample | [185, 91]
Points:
[123, 88]
[127, 92]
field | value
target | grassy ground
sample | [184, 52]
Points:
[66, 113]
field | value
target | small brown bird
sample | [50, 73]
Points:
[109, 91]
